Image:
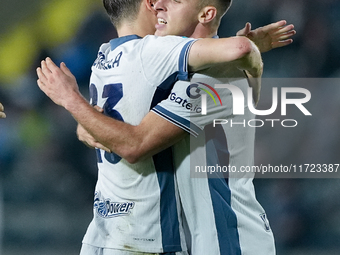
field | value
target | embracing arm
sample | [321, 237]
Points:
[238, 51]
[132, 143]
[135, 143]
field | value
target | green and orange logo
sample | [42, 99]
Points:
[194, 91]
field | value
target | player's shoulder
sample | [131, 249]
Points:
[164, 40]
[164, 46]
[105, 47]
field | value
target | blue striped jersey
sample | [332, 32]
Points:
[221, 211]
[136, 205]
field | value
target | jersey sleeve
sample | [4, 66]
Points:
[177, 107]
[164, 57]
[184, 105]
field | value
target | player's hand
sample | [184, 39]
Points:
[269, 37]
[88, 139]
[2, 113]
[59, 84]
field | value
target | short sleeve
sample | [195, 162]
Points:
[166, 56]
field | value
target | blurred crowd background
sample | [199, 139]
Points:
[47, 176]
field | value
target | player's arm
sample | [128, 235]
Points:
[133, 143]
[238, 51]
[2, 111]
[88, 139]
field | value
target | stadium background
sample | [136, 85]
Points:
[47, 177]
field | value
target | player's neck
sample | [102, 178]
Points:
[204, 31]
[133, 29]
[126, 30]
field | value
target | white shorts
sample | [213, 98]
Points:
[87, 249]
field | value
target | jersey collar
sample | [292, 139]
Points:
[114, 43]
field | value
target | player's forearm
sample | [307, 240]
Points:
[130, 142]
[154, 135]
[238, 51]
[111, 133]
[133, 143]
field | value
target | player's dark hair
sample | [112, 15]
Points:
[119, 10]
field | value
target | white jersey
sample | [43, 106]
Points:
[221, 210]
[136, 205]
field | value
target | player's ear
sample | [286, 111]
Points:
[150, 5]
[207, 14]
